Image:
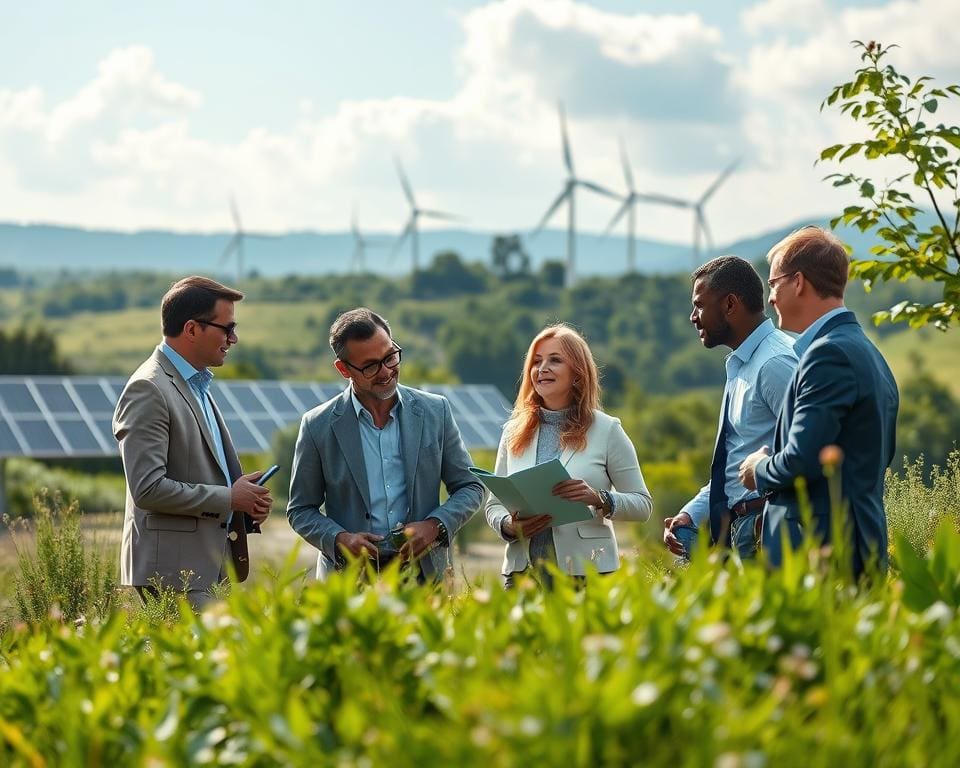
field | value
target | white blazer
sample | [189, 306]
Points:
[609, 462]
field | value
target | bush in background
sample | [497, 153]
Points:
[93, 493]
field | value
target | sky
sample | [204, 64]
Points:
[126, 116]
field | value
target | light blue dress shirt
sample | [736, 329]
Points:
[383, 460]
[199, 382]
[758, 373]
[805, 339]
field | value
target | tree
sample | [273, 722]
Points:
[26, 352]
[896, 109]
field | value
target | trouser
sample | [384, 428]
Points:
[743, 536]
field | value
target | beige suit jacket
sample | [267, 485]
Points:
[609, 462]
[177, 500]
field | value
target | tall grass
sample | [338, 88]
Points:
[61, 575]
[915, 507]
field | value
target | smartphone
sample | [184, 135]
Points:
[268, 474]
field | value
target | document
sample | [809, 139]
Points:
[528, 492]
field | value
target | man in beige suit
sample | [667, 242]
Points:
[187, 501]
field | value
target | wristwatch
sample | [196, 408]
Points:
[443, 535]
[606, 508]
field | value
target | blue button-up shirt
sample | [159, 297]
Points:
[805, 339]
[383, 461]
[758, 372]
[199, 382]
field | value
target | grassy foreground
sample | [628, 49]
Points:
[718, 664]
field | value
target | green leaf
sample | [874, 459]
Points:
[829, 152]
[866, 189]
[919, 588]
[930, 105]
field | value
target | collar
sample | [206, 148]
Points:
[180, 363]
[749, 346]
[805, 339]
[358, 406]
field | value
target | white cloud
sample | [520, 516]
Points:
[781, 15]
[124, 150]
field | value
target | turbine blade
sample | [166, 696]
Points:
[552, 209]
[598, 189]
[648, 197]
[403, 236]
[232, 245]
[625, 161]
[405, 183]
[704, 226]
[720, 179]
[440, 215]
[618, 215]
[567, 157]
[236, 214]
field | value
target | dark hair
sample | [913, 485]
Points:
[731, 274]
[193, 298]
[356, 324]
[819, 255]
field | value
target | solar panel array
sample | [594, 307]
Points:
[52, 416]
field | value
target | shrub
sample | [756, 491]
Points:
[916, 509]
[93, 493]
[62, 576]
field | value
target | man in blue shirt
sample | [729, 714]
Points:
[369, 462]
[843, 394]
[189, 507]
[728, 309]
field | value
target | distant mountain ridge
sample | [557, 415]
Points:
[29, 247]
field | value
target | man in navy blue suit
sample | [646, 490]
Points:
[842, 394]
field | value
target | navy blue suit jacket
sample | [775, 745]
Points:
[843, 394]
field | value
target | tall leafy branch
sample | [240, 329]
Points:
[898, 111]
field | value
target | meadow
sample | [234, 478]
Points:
[717, 663]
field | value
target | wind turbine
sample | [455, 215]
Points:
[629, 201]
[700, 219]
[410, 230]
[358, 261]
[236, 242]
[567, 196]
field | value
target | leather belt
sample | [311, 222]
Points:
[748, 507]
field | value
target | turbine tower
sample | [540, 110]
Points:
[700, 218]
[358, 260]
[235, 245]
[410, 230]
[629, 202]
[567, 196]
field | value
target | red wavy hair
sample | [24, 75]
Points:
[525, 419]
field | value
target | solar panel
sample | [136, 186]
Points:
[51, 416]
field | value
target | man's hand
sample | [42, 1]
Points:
[357, 544]
[419, 538]
[748, 478]
[247, 496]
[526, 528]
[669, 537]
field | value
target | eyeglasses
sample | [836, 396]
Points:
[772, 282]
[230, 330]
[370, 370]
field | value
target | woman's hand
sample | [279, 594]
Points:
[578, 490]
[526, 528]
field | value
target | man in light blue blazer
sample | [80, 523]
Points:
[842, 394]
[369, 462]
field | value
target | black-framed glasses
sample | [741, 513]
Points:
[772, 282]
[230, 329]
[370, 370]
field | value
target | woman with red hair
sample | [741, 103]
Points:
[557, 415]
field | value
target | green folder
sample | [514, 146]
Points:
[528, 493]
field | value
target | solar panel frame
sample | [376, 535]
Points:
[61, 404]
